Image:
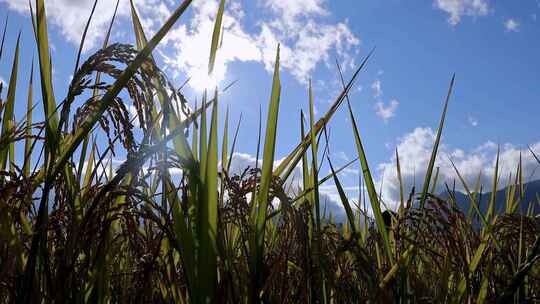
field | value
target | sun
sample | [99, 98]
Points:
[200, 80]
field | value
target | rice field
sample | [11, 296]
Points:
[75, 230]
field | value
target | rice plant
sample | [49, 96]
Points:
[73, 229]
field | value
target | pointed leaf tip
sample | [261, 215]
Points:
[216, 37]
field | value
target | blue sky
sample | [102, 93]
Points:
[492, 46]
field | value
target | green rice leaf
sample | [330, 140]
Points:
[207, 261]
[372, 192]
[8, 123]
[401, 186]
[216, 37]
[45, 69]
[431, 164]
[344, 199]
[28, 131]
[225, 142]
[266, 174]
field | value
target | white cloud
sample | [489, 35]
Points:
[152, 13]
[376, 87]
[292, 9]
[386, 112]
[511, 25]
[191, 44]
[341, 156]
[415, 151]
[473, 121]
[458, 8]
[299, 25]
[312, 44]
[304, 42]
[306, 39]
[70, 18]
[351, 171]
[240, 161]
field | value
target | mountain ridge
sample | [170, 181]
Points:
[530, 196]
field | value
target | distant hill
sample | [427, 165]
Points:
[530, 195]
[463, 202]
